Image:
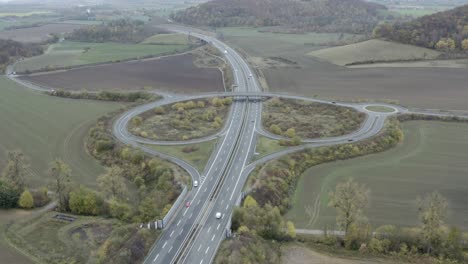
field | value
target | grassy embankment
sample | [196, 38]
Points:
[432, 157]
[195, 154]
[46, 128]
[68, 54]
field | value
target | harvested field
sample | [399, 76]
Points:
[176, 74]
[182, 121]
[373, 50]
[441, 88]
[310, 120]
[432, 157]
[46, 128]
[37, 34]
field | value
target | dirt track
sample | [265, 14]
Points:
[174, 74]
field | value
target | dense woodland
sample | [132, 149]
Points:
[445, 30]
[354, 16]
[10, 49]
[120, 30]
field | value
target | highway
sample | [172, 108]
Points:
[194, 234]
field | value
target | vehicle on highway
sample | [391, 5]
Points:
[225, 51]
[218, 215]
[187, 204]
[195, 184]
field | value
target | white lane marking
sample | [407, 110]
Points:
[209, 229]
[199, 248]
[185, 212]
[218, 226]
[181, 231]
[213, 237]
[205, 189]
[201, 261]
[198, 202]
[165, 243]
[171, 233]
[222, 201]
[227, 206]
[157, 256]
[170, 249]
[178, 223]
[206, 251]
[190, 216]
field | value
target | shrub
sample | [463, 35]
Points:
[83, 201]
[40, 197]
[9, 196]
[26, 200]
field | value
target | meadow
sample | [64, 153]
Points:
[432, 157]
[46, 128]
[67, 54]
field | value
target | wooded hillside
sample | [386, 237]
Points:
[446, 30]
[354, 16]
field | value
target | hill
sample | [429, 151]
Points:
[445, 30]
[354, 16]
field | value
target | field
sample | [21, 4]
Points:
[198, 157]
[172, 74]
[46, 128]
[37, 34]
[432, 157]
[68, 54]
[8, 252]
[373, 51]
[23, 14]
[310, 120]
[167, 39]
[266, 146]
[266, 44]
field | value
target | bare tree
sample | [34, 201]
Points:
[432, 212]
[16, 170]
[112, 183]
[349, 199]
[61, 172]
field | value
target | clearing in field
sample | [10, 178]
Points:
[182, 121]
[432, 157]
[373, 50]
[68, 54]
[37, 34]
[172, 74]
[309, 119]
[46, 128]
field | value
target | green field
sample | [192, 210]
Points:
[266, 146]
[264, 44]
[197, 158]
[67, 54]
[46, 128]
[432, 157]
[373, 50]
[24, 14]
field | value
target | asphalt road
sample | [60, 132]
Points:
[194, 234]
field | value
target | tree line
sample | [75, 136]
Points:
[11, 50]
[354, 16]
[123, 30]
[446, 31]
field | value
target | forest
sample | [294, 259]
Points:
[353, 16]
[444, 31]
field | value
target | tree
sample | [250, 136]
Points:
[8, 195]
[465, 45]
[26, 200]
[84, 202]
[275, 129]
[112, 183]
[290, 133]
[291, 229]
[446, 44]
[16, 170]
[137, 121]
[60, 173]
[432, 211]
[349, 199]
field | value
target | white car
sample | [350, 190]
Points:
[225, 51]
[218, 215]
[195, 184]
